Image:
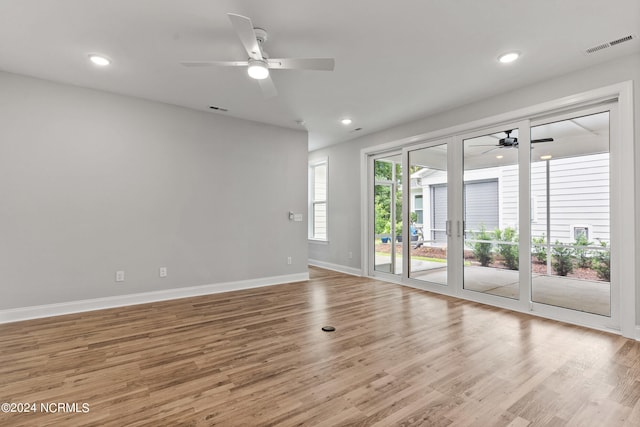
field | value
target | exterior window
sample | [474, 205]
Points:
[318, 172]
[418, 210]
[580, 232]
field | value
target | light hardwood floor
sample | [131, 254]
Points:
[258, 357]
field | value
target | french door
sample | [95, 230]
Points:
[520, 215]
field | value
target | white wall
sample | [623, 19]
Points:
[344, 159]
[344, 210]
[92, 182]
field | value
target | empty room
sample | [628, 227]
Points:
[319, 213]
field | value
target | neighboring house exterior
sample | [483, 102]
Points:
[579, 199]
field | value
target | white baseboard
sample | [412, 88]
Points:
[637, 333]
[336, 267]
[48, 310]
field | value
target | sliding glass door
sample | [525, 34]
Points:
[518, 215]
[490, 213]
[571, 220]
[428, 213]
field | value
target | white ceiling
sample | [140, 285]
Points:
[395, 60]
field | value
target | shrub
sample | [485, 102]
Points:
[583, 256]
[601, 263]
[539, 249]
[482, 250]
[562, 259]
[508, 252]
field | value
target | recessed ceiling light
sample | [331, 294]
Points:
[546, 157]
[499, 156]
[508, 57]
[346, 121]
[99, 60]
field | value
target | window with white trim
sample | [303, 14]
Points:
[318, 189]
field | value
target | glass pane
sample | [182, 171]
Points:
[398, 217]
[320, 183]
[491, 255]
[320, 220]
[382, 220]
[428, 213]
[570, 228]
[388, 214]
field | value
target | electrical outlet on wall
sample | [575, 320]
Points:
[120, 276]
[289, 260]
[163, 271]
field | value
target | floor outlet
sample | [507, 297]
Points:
[120, 276]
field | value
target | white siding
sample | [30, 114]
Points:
[579, 188]
[508, 196]
[579, 195]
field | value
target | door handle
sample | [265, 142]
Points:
[458, 228]
[447, 228]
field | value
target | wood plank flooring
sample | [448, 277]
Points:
[399, 356]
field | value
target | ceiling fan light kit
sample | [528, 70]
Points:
[258, 69]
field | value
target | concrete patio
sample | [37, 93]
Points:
[581, 295]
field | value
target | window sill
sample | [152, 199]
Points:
[318, 241]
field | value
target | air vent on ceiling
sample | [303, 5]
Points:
[214, 107]
[597, 48]
[610, 44]
[621, 40]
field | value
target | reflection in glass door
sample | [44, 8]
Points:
[570, 228]
[428, 214]
[490, 214]
[387, 214]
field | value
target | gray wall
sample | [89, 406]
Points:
[92, 182]
[344, 159]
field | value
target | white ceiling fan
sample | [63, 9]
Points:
[258, 63]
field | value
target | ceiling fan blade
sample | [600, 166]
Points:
[535, 141]
[244, 29]
[268, 88]
[320, 64]
[214, 63]
[491, 149]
